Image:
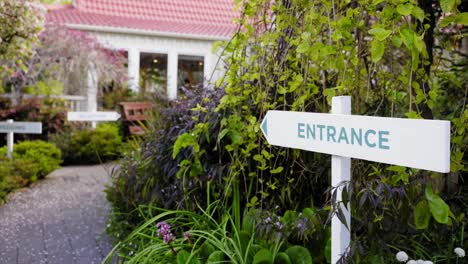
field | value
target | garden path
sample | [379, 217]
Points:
[61, 219]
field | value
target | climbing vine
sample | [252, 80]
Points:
[396, 58]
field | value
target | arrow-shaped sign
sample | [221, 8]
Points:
[93, 116]
[21, 127]
[423, 144]
[11, 127]
[416, 143]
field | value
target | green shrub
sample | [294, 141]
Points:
[90, 146]
[15, 174]
[170, 236]
[44, 157]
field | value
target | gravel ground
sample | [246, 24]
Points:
[61, 219]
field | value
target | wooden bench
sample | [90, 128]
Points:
[135, 113]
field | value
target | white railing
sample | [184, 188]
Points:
[71, 102]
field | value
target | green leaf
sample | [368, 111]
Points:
[405, 9]
[328, 251]
[447, 20]
[183, 141]
[244, 239]
[206, 250]
[422, 215]
[303, 47]
[289, 217]
[413, 115]
[377, 50]
[299, 255]
[236, 137]
[215, 258]
[418, 13]
[447, 5]
[407, 36]
[196, 168]
[380, 33]
[222, 134]
[395, 168]
[183, 257]
[277, 170]
[263, 256]
[397, 41]
[439, 209]
[282, 258]
[462, 19]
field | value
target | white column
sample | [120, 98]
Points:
[208, 70]
[92, 91]
[10, 141]
[341, 171]
[218, 67]
[172, 70]
[134, 70]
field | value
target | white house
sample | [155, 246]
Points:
[168, 42]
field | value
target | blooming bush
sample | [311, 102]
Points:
[21, 21]
[67, 55]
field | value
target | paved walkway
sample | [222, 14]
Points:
[61, 219]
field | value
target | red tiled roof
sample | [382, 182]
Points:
[211, 18]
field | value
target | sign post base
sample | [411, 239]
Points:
[10, 141]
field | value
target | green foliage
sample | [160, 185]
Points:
[439, 209]
[422, 215]
[295, 56]
[263, 256]
[90, 146]
[15, 174]
[215, 257]
[41, 158]
[282, 258]
[49, 87]
[299, 255]
[201, 239]
[46, 155]
[32, 160]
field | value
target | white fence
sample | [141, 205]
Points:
[71, 102]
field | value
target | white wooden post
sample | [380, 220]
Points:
[92, 91]
[133, 70]
[340, 171]
[10, 141]
[172, 70]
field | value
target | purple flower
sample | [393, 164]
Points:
[187, 236]
[279, 225]
[168, 237]
[164, 230]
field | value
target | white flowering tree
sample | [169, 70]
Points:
[21, 21]
[66, 56]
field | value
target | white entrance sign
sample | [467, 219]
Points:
[415, 143]
[93, 116]
[421, 144]
[10, 127]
